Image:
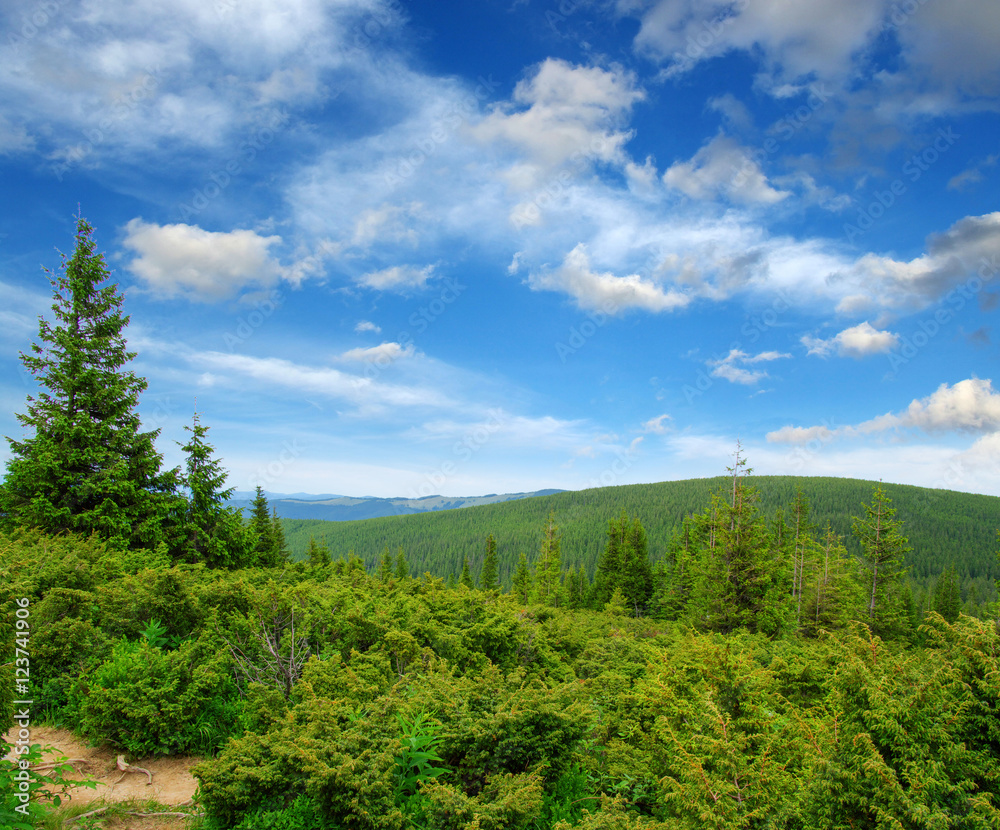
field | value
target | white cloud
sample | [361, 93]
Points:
[382, 354]
[731, 367]
[952, 258]
[795, 40]
[970, 406]
[604, 291]
[722, 167]
[185, 260]
[366, 393]
[387, 223]
[858, 341]
[124, 75]
[562, 113]
[658, 425]
[400, 279]
[367, 325]
[732, 109]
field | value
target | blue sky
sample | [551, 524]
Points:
[402, 248]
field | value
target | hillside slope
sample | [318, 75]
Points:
[944, 527]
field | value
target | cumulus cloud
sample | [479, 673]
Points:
[952, 46]
[796, 40]
[186, 260]
[732, 366]
[858, 341]
[367, 325]
[562, 113]
[969, 406]
[399, 279]
[952, 258]
[722, 167]
[606, 292]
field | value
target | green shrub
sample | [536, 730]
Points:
[149, 701]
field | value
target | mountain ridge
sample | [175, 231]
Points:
[339, 508]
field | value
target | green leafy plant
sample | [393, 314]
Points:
[415, 765]
[155, 633]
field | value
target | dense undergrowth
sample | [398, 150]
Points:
[325, 697]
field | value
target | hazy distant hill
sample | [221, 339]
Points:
[333, 508]
[944, 527]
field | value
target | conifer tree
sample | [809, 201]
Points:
[385, 566]
[883, 549]
[801, 546]
[831, 589]
[673, 580]
[521, 582]
[88, 467]
[548, 569]
[278, 537]
[947, 599]
[736, 585]
[402, 569]
[266, 533]
[211, 532]
[260, 520]
[637, 572]
[318, 555]
[489, 579]
[466, 577]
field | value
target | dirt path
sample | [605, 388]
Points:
[172, 784]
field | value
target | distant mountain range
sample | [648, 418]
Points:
[334, 508]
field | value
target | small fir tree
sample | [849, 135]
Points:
[402, 569]
[385, 566]
[489, 579]
[548, 568]
[883, 549]
[211, 532]
[466, 577]
[521, 582]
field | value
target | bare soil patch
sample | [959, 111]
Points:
[172, 783]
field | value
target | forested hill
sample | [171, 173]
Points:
[944, 527]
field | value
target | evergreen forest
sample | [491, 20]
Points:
[741, 652]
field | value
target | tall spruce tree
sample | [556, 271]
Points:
[737, 579]
[88, 467]
[624, 564]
